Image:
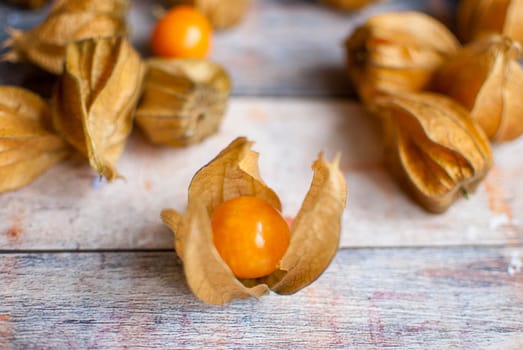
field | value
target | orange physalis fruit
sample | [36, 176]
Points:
[182, 32]
[250, 235]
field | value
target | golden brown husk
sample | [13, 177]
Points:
[486, 78]
[222, 14]
[28, 146]
[433, 147]
[183, 102]
[68, 21]
[117, 8]
[234, 172]
[477, 18]
[94, 102]
[396, 52]
[349, 5]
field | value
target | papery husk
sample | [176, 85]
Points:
[95, 99]
[184, 100]
[28, 147]
[222, 14]
[433, 147]
[349, 5]
[69, 21]
[315, 232]
[30, 4]
[486, 78]
[396, 52]
[116, 8]
[234, 172]
[477, 18]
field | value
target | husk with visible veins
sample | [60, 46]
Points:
[222, 14]
[433, 147]
[44, 45]
[183, 102]
[234, 172]
[94, 101]
[31, 4]
[477, 18]
[348, 5]
[486, 78]
[28, 147]
[395, 52]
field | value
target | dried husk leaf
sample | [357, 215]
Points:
[396, 52]
[117, 8]
[31, 4]
[45, 44]
[183, 102]
[477, 18]
[433, 147]
[315, 232]
[486, 78]
[234, 172]
[28, 147]
[95, 99]
[348, 5]
[222, 14]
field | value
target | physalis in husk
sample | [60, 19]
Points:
[68, 21]
[434, 148]
[396, 52]
[233, 176]
[28, 145]
[95, 99]
[486, 78]
[183, 102]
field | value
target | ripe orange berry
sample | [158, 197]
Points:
[250, 235]
[182, 32]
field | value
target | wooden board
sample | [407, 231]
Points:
[68, 208]
[291, 48]
[54, 296]
[404, 298]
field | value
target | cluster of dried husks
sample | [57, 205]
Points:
[441, 103]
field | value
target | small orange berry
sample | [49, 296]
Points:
[182, 32]
[250, 235]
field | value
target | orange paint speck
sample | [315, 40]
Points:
[257, 114]
[5, 318]
[14, 232]
[496, 199]
[148, 185]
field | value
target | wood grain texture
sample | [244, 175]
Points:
[460, 298]
[68, 208]
[291, 48]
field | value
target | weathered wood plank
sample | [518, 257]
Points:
[291, 48]
[370, 298]
[67, 208]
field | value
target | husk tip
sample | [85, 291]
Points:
[171, 218]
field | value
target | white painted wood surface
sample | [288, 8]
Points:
[453, 298]
[67, 208]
